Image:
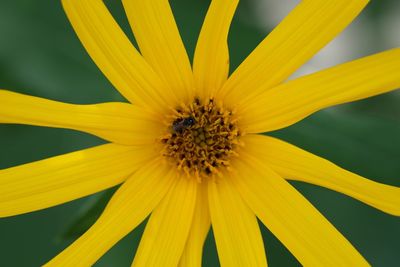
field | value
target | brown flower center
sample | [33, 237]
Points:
[201, 138]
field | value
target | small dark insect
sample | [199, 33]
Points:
[181, 124]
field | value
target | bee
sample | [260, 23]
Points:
[179, 125]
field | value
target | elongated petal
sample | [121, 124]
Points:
[158, 37]
[294, 163]
[117, 122]
[129, 206]
[294, 100]
[235, 226]
[56, 180]
[211, 58]
[114, 54]
[166, 232]
[308, 28]
[193, 253]
[306, 233]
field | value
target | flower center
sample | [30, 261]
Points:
[201, 138]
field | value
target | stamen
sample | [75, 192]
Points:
[201, 138]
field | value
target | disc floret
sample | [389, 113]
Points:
[201, 138]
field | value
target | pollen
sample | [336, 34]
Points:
[201, 138]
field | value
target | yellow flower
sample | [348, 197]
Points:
[188, 151]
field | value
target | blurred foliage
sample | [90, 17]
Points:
[87, 215]
[40, 55]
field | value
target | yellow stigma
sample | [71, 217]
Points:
[201, 138]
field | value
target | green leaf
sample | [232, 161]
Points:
[87, 215]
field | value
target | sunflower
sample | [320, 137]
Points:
[187, 149]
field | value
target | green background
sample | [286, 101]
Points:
[40, 55]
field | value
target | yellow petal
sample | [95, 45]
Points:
[308, 28]
[117, 122]
[167, 230]
[193, 253]
[211, 57]
[296, 99]
[294, 163]
[129, 206]
[236, 230]
[305, 232]
[56, 180]
[114, 54]
[159, 41]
